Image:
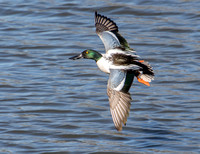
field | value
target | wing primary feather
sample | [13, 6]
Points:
[103, 23]
[113, 117]
[116, 119]
[124, 112]
[119, 112]
[119, 107]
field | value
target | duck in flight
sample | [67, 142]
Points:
[122, 64]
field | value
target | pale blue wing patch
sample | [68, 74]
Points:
[116, 79]
[120, 80]
[109, 40]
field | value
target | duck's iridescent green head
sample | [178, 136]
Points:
[88, 54]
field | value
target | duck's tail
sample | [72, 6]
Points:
[145, 74]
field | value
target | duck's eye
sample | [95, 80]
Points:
[86, 52]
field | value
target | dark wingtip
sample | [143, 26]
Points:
[95, 16]
[104, 23]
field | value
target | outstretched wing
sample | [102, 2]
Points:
[118, 86]
[107, 30]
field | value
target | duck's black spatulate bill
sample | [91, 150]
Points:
[79, 56]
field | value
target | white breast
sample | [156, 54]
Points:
[103, 65]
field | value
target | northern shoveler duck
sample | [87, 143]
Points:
[122, 64]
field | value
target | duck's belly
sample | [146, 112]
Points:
[103, 65]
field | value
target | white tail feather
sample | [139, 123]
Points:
[146, 77]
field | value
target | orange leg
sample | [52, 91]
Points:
[142, 81]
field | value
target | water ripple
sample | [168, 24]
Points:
[50, 104]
